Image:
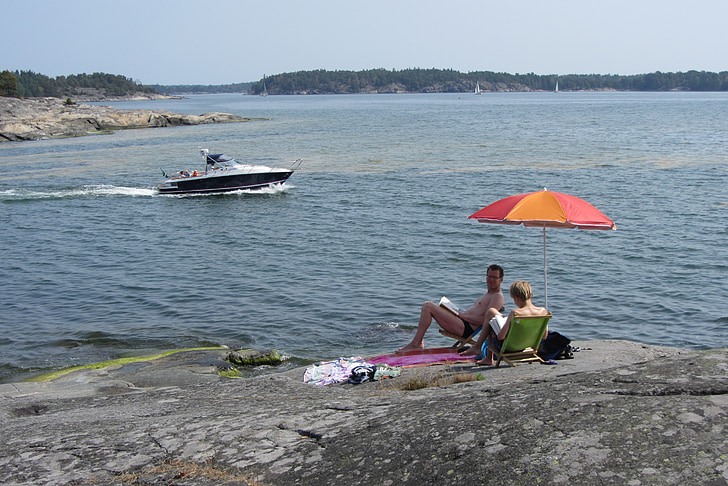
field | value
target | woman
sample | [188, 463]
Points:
[521, 293]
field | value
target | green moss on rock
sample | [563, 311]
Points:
[114, 362]
[251, 357]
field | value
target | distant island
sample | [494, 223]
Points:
[79, 87]
[102, 86]
[449, 81]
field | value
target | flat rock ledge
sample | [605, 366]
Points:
[619, 413]
[41, 118]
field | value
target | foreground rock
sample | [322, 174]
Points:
[619, 413]
[39, 118]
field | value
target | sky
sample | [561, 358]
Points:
[232, 41]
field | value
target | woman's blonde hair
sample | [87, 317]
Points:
[521, 289]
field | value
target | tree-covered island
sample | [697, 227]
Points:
[102, 86]
[450, 81]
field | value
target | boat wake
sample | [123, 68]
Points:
[13, 195]
[76, 192]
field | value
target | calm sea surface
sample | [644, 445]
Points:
[97, 266]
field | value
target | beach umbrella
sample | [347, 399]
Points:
[545, 209]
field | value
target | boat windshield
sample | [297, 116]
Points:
[221, 161]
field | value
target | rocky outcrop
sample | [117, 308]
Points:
[618, 413]
[40, 118]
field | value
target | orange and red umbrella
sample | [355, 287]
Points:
[545, 209]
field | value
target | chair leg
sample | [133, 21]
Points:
[459, 345]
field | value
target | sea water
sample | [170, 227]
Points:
[337, 262]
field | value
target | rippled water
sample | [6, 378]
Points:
[96, 265]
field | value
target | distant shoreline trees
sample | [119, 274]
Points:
[450, 81]
[8, 84]
[177, 89]
[33, 85]
[29, 84]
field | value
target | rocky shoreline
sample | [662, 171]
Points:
[41, 118]
[618, 413]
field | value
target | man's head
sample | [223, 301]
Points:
[520, 289]
[494, 277]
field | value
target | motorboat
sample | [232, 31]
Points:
[225, 174]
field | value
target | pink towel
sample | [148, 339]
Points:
[422, 357]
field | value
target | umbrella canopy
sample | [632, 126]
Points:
[545, 209]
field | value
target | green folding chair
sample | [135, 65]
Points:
[521, 342]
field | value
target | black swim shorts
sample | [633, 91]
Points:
[468, 331]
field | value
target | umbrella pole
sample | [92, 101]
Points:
[545, 278]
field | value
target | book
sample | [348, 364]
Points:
[497, 323]
[447, 304]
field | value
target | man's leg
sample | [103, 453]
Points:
[446, 319]
[485, 333]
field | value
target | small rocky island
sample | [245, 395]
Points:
[24, 119]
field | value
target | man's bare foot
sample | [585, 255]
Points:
[485, 362]
[411, 347]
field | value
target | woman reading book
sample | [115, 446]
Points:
[521, 293]
[462, 323]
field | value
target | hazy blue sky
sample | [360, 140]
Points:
[230, 41]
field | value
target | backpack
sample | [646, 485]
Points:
[555, 346]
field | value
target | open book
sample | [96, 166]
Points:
[497, 323]
[447, 304]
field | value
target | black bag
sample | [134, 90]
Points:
[362, 373]
[555, 346]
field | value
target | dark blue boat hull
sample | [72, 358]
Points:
[225, 183]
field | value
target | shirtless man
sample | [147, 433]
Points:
[465, 322]
[522, 294]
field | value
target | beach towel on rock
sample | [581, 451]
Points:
[423, 357]
[329, 372]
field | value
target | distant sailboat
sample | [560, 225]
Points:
[477, 88]
[557, 86]
[265, 90]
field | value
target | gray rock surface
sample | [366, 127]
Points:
[39, 118]
[618, 413]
